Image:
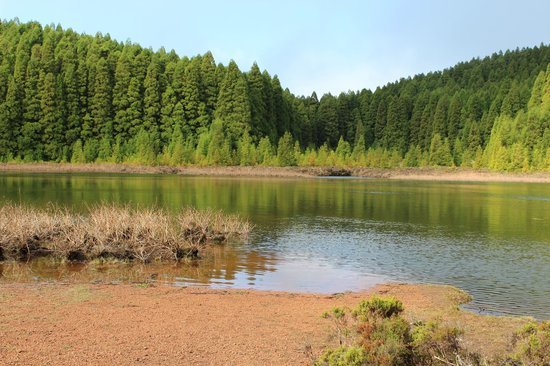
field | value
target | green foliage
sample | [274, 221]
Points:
[91, 148]
[378, 306]
[440, 152]
[144, 149]
[78, 153]
[342, 356]
[343, 151]
[285, 151]
[58, 87]
[233, 107]
[531, 345]
[375, 333]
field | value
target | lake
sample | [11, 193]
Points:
[339, 234]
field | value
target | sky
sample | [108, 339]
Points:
[323, 46]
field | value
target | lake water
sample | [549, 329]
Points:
[334, 235]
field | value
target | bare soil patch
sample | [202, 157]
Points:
[128, 325]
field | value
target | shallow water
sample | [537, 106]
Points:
[335, 235]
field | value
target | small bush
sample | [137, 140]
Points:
[434, 344]
[386, 340]
[342, 356]
[378, 306]
[377, 334]
[531, 345]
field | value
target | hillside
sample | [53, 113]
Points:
[80, 98]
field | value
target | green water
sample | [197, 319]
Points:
[333, 235]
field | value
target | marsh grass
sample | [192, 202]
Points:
[109, 231]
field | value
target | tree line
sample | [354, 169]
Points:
[71, 97]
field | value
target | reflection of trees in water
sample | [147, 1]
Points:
[226, 262]
[217, 263]
[272, 203]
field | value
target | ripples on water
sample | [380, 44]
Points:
[492, 240]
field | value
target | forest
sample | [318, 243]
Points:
[70, 97]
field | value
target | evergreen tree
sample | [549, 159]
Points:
[209, 84]
[395, 131]
[327, 117]
[440, 152]
[192, 105]
[10, 119]
[285, 151]
[58, 87]
[245, 147]
[216, 152]
[265, 151]
[152, 95]
[50, 121]
[233, 106]
[343, 151]
[259, 122]
[78, 153]
[100, 105]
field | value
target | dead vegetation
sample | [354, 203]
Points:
[112, 231]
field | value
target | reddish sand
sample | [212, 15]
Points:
[59, 324]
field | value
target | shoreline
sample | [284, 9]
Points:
[156, 324]
[419, 174]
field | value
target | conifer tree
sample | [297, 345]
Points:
[440, 152]
[327, 117]
[152, 94]
[265, 151]
[78, 153]
[192, 105]
[285, 150]
[216, 154]
[100, 105]
[50, 120]
[233, 106]
[209, 85]
[10, 119]
[258, 115]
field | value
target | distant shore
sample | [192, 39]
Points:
[424, 174]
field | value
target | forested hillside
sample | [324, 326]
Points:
[79, 98]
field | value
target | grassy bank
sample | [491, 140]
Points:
[111, 231]
[429, 174]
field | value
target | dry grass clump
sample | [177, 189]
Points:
[112, 231]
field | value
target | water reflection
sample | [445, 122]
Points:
[333, 235]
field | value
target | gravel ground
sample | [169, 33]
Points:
[82, 324]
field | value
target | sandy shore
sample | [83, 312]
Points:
[128, 325]
[429, 174]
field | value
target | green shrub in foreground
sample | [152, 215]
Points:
[375, 333]
[342, 356]
[531, 345]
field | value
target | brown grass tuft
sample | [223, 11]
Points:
[113, 231]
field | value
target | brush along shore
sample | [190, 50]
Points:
[426, 173]
[112, 231]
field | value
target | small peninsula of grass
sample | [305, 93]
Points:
[112, 231]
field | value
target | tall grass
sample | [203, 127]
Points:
[112, 231]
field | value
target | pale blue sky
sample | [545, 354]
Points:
[312, 45]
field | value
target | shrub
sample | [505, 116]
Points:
[531, 345]
[375, 333]
[342, 356]
[378, 306]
